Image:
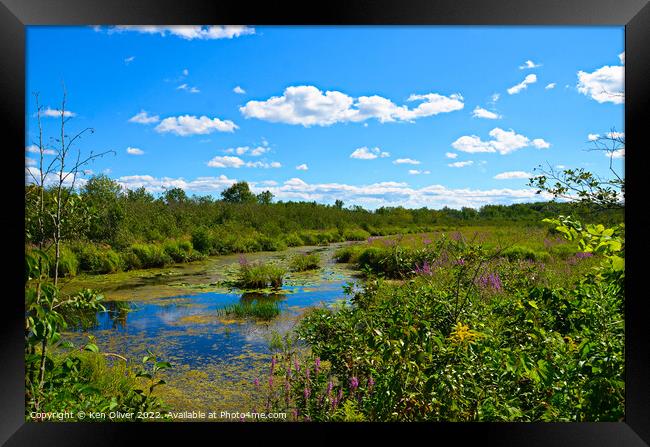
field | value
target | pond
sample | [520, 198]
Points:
[175, 312]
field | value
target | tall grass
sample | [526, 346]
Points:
[261, 310]
[259, 275]
[304, 262]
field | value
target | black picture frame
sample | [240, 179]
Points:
[634, 14]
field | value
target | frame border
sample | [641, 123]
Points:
[634, 14]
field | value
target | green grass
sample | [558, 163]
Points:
[260, 310]
[304, 262]
[259, 275]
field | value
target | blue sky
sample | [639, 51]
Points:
[376, 116]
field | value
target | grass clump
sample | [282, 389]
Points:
[259, 275]
[260, 310]
[304, 262]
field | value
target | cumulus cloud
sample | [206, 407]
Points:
[540, 144]
[144, 118]
[33, 176]
[451, 154]
[36, 150]
[365, 153]
[530, 79]
[619, 153]
[134, 151]
[503, 142]
[550, 86]
[236, 162]
[29, 161]
[185, 125]
[621, 57]
[513, 175]
[56, 113]
[188, 32]
[406, 161]
[480, 112]
[371, 195]
[460, 164]
[308, 106]
[593, 136]
[529, 64]
[239, 90]
[302, 167]
[605, 84]
[417, 172]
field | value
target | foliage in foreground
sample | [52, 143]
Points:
[467, 347]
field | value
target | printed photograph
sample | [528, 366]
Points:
[275, 224]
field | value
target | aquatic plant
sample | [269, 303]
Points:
[304, 262]
[260, 310]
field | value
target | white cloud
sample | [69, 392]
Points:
[56, 113]
[371, 196]
[605, 84]
[513, 175]
[134, 151]
[302, 167]
[416, 172]
[30, 161]
[144, 118]
[239, 90]
[540, 144]
[451, 154]
[236, 162]
[480, 112]
[619, 153]
[308, 106]
[35, 150]
[503, 142]
[593, 136]
[621, 57]
[188, 88]
[495, 97]
[255, 152]
[226, 162]
[188, 32]
[52, 178]
[550, 86]
[529, 64]
[186, 72]
[365, 153]
[407, 161]
[616, 134]
[185, 125]
[129, 59]
[460, 164]
[530, 79]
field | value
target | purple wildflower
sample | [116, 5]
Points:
[491, 281]
[317, 363]
[354, 383]
[426, 241]
[461, 261]
[583, 255]
[242, 260]
[424, 270]
[330, 385]
[256, 382]
[294, 413]
[371, 383]
[307, 393]
[307, 373]
[456, 235]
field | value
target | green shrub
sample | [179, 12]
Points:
[268, 243]
[304, 262]
[202, 240]
[293, 240]
[518, 252]
[348, 254]
[96, 259]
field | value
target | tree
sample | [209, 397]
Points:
[175, 196]
[238, 193]
[583, 186]
[338, 204]
[103, 194]
[265, 197]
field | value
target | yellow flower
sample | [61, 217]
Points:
[462, 333]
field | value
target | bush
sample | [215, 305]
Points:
[181, 251]
[517, 252]
[293, 240]
[348, 254]
[268, 243]
[304, 262]
[96, 259]
[202, 240]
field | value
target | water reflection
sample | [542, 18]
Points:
[250, 297]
